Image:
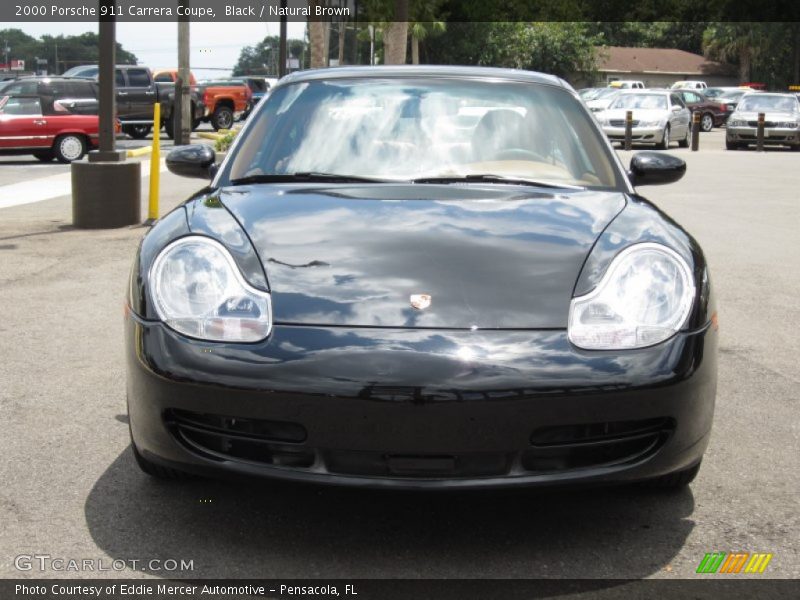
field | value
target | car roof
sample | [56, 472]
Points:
[423, 71]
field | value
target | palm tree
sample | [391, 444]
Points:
[395, 36]
[740, 42]
[419, 31]
[318, 32]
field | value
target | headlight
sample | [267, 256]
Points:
[652, 123]
[199, 291]
[644, 298]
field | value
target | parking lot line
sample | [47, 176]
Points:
[45, 188]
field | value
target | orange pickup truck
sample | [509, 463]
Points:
[224, 99]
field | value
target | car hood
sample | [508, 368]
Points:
[490, 256]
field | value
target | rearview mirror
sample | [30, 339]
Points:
[655, 168]
[196, 161]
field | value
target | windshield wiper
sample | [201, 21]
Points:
[305, 176]
[490, 178]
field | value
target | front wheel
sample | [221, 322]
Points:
[707, 122]
[664, 145]
[222, 118]
[69, 147]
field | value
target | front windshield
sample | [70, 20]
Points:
[762, 102]
[405, 129]
[642, 101]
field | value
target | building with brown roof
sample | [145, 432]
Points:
[660, 67]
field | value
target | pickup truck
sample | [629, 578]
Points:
[224, 100]
[137, 93]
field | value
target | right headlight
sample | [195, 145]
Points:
[644, 298]
[198, 291]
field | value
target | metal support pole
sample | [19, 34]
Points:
[760, 133]
[628, 129]
[282, 43]
[182, 123]
[695, 131]
[108, 102]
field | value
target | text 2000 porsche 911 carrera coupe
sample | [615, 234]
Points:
[421, 277]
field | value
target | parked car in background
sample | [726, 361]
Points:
[77, 96]
[602, 99]
[731, 99]
[689, 84]
[659, 117]
[136, 95]
[589, 93]
[712, 112]
[715, 92]
[627, 84]
[781, 121]
[363, 294]
[224, 100]
[48, 130]
[171, 76]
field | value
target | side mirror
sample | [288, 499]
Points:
[655, 168]
[196, 161]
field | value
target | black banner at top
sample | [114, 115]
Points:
[21, 11]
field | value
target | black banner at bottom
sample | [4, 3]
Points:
[388, 589]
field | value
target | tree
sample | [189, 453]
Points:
[735, 42]
[61, 52]
[262, 59]
[395, 35]
[559, 48]
[318, 32]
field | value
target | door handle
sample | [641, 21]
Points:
[122, 93]
[39, 122]
[149, 93]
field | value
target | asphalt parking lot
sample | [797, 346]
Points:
[71, 488]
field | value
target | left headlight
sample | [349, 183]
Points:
[644, 298]
[198, 291]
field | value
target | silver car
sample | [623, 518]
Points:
[781, 121]
[659, 117]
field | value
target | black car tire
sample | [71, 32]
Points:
[44, 155]
[137, 132]
[664, 145]
[707, 122]
[222, 118]
[676, 480]
[69, 147]
[155, 470]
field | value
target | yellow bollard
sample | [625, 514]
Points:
[155, 165]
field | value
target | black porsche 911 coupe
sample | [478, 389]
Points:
[421, 277]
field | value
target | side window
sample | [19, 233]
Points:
[119, 78]
[21, 106]
[675, 100]
[138, 78]
[691, 97]
[21, 87]
[58, 89]
[81, 89]
[163, 78]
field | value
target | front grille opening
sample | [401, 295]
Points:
[252, 440]
[346, 462]
[591, 445]
[589, 432]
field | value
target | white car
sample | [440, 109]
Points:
[691, 85]
[781, 121]
[659, 117]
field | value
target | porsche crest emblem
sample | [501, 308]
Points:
[420, 301]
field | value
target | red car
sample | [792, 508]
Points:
[56, 132]
[712, 113]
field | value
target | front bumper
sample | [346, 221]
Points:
[419, 408]
[640, 135]
[772, 135]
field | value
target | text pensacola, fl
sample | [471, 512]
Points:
[132, 10]
[140, 590]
